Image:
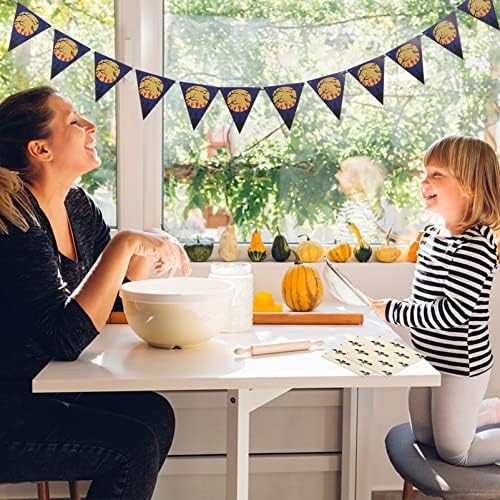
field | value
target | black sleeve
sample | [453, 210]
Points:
[35, 291]
[102, 236]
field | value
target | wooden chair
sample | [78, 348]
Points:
[421, 467]
[44, 494]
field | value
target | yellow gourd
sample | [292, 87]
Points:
[362, 251]
[413, 249]
[309, 250]
[263, 301]
[387, 252]
[341, 252]
[228, 245]
[301, 288]
[256, 251]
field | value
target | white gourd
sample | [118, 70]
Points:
[228, 245]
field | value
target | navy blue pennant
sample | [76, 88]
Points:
[151, 88]
[65, 51]
[410, 57]
[446, 34]
[330, 90]
[26, 25]
[197, 98]
[285, 99]
[371, 75]
[484, 10]
[108, 72]
[239, 101]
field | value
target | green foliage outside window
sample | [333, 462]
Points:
[273, 172]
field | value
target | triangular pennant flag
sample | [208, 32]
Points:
[65, 51]
[198, 99]
[371, 75]
[26, 25]
[484, 10]
[239, 101]
[330, 89]
[445, 33]
[108, 72]
[151, 90]
[286, 100]
[410, 57]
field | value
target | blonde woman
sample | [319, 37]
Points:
[448, 311]
[60, 275]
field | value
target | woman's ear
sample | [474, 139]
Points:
[39, 150]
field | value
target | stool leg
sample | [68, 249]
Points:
[43, 490]
[74, 490]
[407, 491]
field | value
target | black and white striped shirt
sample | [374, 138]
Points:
[448, 310]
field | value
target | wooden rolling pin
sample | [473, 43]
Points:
[284, 318]
[277, 347]
[307, 318]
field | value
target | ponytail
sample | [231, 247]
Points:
[15, 206]
[24, 116]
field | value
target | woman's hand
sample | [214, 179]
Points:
[166, 252]
[379, 307]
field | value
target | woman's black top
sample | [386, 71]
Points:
[39, 321]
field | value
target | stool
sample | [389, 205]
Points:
[44, 494]
[420, 466]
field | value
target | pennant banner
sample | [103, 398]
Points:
[239, 101]
[484, 10]
[330, 89]
[152, 88]
[198, 99]
[108, 72]
[65, 51]
[286, 100]
[445, 32]
[371, 75]
[26, 25]
[410, 57]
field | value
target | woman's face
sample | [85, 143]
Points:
[72, 142]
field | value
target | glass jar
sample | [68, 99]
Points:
[240, 275]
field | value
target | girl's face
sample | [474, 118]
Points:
[71, 142]
[443, 194]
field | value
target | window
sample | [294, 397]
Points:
[325, 171]
[91, 23]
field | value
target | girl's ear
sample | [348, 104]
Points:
[39, 150]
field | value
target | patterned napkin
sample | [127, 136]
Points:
[373, 356]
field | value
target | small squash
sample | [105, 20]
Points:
[309, 250]
[413, 249]
[301, 288]
[387, 252]
[200, 249]
[228, 245]
[362, 251]
[256, 251]
[341, 252]
[280, 249]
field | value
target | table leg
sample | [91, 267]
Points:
[240, 402]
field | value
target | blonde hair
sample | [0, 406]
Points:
[475, 165]
[13, 201]
[24, 116]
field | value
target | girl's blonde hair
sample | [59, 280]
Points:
[475, 165]
[24, 116]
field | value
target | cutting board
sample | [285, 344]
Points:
[284, 318]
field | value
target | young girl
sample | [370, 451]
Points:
[447, 313]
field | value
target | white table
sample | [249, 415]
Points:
[117, 360]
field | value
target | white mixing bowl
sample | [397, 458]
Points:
[177, 311]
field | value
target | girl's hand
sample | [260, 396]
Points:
[379, 307]
[167, 253]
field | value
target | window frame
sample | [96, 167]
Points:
[139, 143]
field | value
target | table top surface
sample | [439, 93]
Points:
[118, 360]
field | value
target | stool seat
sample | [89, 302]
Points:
[421, 466]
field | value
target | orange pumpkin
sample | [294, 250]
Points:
[413, 249]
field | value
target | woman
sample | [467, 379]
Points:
[60, 275]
